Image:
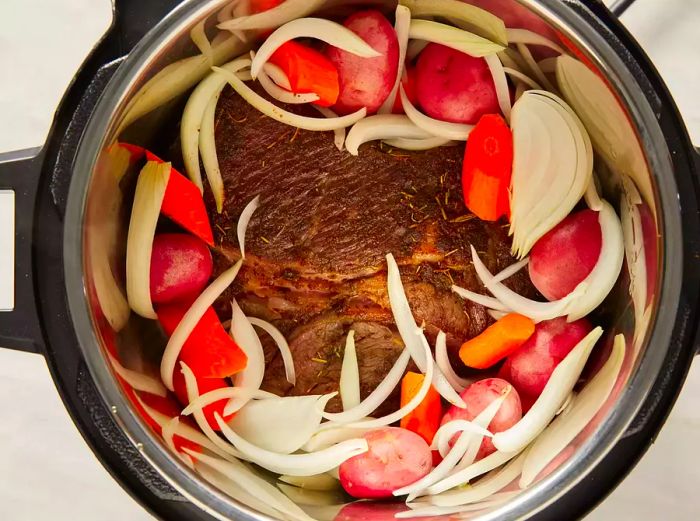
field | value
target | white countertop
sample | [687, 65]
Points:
[48, 471]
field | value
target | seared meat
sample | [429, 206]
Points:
[315, 249]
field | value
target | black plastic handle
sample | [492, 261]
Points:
[20, 172]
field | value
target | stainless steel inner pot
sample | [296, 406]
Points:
[94, 239]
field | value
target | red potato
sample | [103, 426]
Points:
[396, 458]
[181, 266]
[478, 396]
[453, 86]
[366, 82]
[530, 367]
[566, 254]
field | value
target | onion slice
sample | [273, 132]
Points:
[443, 362]
[243, 332]
[444, 435]
[418, 144]
[633, 238]
[168, 432]
[484, 465]
[199, 38]
[484, 300]
[137, 380]
[225, 393]
[434, 127]
[350, 375]
[150, 189]
[567, 426]
[555, 392]
[401, 26]
[243, 221]
[501, 84]
[331, 433]
[190, 320]
[278, 15]
[525, 36]
[339, 133]
[295, 464]
[511, 270]
[282, 345]
[277, 75]
[283, 116]
[407, 327]
[382, 126]
[449, 36]
[282, 95]
[522, 78]
[207, 149]
[327, 31]
[534, 67]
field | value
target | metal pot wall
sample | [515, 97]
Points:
[57, 314]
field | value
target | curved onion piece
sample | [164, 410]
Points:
[407, 327]
[207, 149]
[339, 133]
[443, 362]
[243, 332]
[567, 426]
[484, 488]
[511, 270]
[331, 433]
[417, 398]
[322, 482]
[282, 345]
[401, 26]
[558, 387]
[552, 166]
[528, 37]
[295, 464]
[484, 300]
[376, 397]
[330, 32]
[192, 394]
[225, 393]
[243, 221]
[282, 95]
[137, 380]
[449, 36]
[255, 486]
[168, 433]
[495, 314]
[522, 77]
[535, 67]
[501, 83]
[382, 126]
[434, 127]
[280, 424]
[277, 75]
[199, 38]
[193, 114]
[484, 465]
[418, 144]
[281, 14]
[463, 15]
[190, 320]
[635, 254]
[442, 438]
[150, 189]
[283, 116]
[350, 375]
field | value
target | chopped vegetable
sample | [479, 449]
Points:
[487, 167]
[243, 222]
[435, 127]
[500, 82]
[382, 126]
[204, 386]
[308, 71]
[350, 375]
[138, 381]
[497, 341]
[401, 25]
[180, 267]
[418, 144]
[424, 420]
[443, 362]
[457, 39]
[339, 133]
[282, 344]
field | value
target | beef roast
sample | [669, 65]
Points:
[315, 248]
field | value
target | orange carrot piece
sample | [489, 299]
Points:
[424, 420]
[497, 341]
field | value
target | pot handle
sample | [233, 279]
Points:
[19, 320]
[620, 6]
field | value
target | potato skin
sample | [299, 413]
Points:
[181, 266]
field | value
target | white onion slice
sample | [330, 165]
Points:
[508, 60]
[327, 31]
[382, 126]
[500, 83]
[555, 392]
[484, 488]
[193, 114]
[295, 464]
[150, 190]
[225, 393]
[190, 320]
[257, 487]
[443, 362]
[495, 314]
[322, 482]
[282, 95]
[137, 380]
[406, 324]
[282, 345]
[192, 389]
[449, 36]
[199, 38]
[418, 144]
[434, 127]
[522, 77]
[484, 300]
[377, 396]
[339, 133]
[633, 238]
[401, 26]
[277, 75]
[535, 68]
[243, 221]
[280, 424]
[247, 339]
[331, 433]
[350, 375]
[442, 438]
[484, 465]
[283, 116]
[207, 149]
[278, 15]
[567, 426]
[511, 270]
[525, 36]
[168, 432]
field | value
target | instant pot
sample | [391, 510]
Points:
[56, 312]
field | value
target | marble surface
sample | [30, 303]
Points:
[48, 471]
